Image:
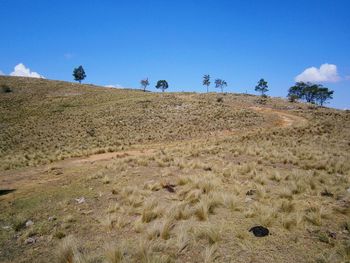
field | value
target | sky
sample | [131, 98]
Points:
[123, 41]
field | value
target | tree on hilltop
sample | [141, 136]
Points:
[206, 81]
[220, 83]
[79, 74]
[144, 83]
[162, 84]
[311, 93]
[323, 95]
[262, 87]
[296, 92]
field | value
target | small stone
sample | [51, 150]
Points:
[332, 234]
[251, 192]
[248, 199]
[348, 190]
[327, 193]
[170, 188]
[6, 227]
[80, 200]
[29, 241]
[259, 231]
[29, 223]
[52, 218]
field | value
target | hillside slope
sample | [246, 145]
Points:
[43, 120]
[177, 177]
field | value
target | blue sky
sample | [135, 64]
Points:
[121, 42]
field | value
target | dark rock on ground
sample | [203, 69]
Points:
[259, 231]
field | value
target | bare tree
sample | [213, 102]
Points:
[144, 83]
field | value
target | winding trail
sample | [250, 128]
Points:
[285, 119]
[28, 177]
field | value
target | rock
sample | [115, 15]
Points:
[80, 200]
[248, 199]
[52, 218]
[29, 223]
[6, 227]
[30, 240]
[327, 193]
[259, 231]
[169, 187]
[251, 192]
[348, 190]
[332, 234]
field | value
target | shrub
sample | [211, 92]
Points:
[220, 99]
[5, 89]
[293, 98]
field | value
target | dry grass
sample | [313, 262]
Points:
[68, 252]
[293, 179]
[38, 116]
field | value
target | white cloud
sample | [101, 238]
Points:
[1, 73]
[20, 70]
[326, 73]
[117, 86]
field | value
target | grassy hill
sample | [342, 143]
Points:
[176, 177]
[42, 120]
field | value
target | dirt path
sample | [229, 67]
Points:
[285, 119]
[31, 176]
[28, 177]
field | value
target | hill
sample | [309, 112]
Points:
[112, 175]
[43, 120]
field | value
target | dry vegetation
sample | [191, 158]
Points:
[281, 165]
[43, 121]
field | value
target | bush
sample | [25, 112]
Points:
[293, 98]
[220, 99]
[5, 89]
[262, 100]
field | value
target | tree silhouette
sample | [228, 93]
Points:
[144, 83]
[312, 93]
[220, 83]
[206, 81]
[323, 95]
[296, 92]
[262, 87]
[79, 74]
[162, 84]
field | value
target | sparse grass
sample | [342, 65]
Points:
[287, 206]
[150, 211]
[115, 254]
[18, 224]
[208, 232]
[40, 108]
[229, 149]
[68, 252]
[314, 215]
[209, 254]
[183, 240]
[231, 202]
